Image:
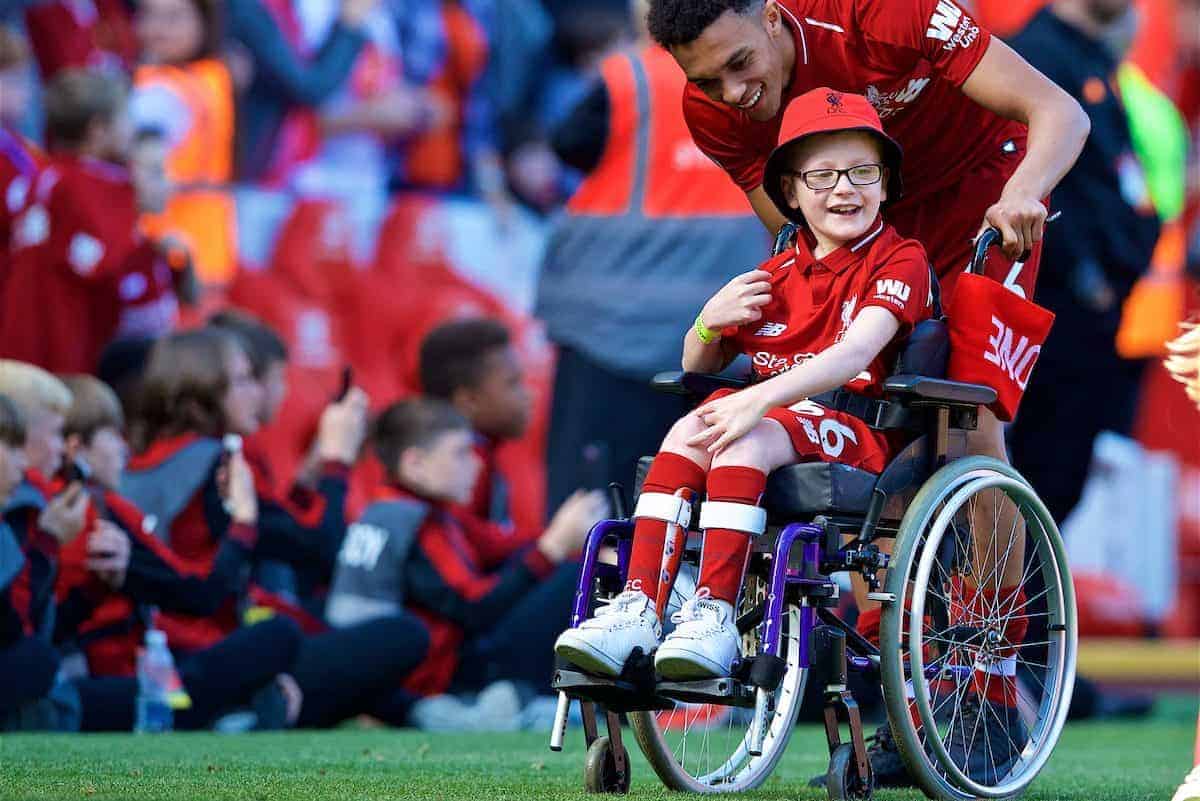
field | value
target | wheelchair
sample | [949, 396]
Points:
[953, 521]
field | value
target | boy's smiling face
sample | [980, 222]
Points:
[844, 212]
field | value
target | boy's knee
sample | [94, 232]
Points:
[753, 449]
[684, 429]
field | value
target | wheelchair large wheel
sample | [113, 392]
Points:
[975, 713]
[706, 749]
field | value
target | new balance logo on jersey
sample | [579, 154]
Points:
[771, 330]
[944, 20]
[894, 290]
[1015, 360]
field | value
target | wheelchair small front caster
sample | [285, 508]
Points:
[604, 770]
[843, 782]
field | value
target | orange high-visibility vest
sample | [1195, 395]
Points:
[201, 212]
[652, 232]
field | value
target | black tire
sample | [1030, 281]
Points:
[600, 774]
[842, 782]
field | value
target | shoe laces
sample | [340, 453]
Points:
[700, 607]
[624, 602]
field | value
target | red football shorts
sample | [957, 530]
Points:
[820, 434]
[946, 222]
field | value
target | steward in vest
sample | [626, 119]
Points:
[654, 230]
[489, 600]
[187, 92]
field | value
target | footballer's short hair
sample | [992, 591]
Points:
[680, 22]
[95, 406]
[76, 97]
[412, 423]
[452, 355]
[33, 389]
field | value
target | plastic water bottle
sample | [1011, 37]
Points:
[155, 670]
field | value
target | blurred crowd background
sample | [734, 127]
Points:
[354, 174]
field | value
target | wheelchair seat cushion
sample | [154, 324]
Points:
[800, 491]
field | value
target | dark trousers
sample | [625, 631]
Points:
[27, 669]
[520, 648]
[217, 679]
[1067, 403]
[357, 669]
[601, 423]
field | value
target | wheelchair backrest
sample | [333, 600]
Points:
[927, 350]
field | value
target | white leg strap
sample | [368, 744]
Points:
[664, 507]
[733, 516]
[1006, 666]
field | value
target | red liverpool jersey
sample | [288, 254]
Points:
[908, 58]
[813, 302]
[72, 246]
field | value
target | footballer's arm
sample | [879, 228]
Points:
[1008, 85]
[766, 209]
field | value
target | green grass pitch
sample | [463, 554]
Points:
[1094, 761]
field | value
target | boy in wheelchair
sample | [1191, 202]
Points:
[830, 312]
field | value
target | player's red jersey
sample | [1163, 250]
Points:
[813, 302]
[909, 60]
[72, 246]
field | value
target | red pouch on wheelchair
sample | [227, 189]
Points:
[995, 339]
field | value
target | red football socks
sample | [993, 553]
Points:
[868, 625]
[990, 679]
[723, 559]
[669, 472]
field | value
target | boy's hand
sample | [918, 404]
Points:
[64, 516]
[236, 484]
[571, 523]
[342, 428]
[728, 419]
[108, 553]
[738, 302]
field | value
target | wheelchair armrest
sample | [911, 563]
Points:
[677, 382]
[939, 390]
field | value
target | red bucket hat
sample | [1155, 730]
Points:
[825, 110]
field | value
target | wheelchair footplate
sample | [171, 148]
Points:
[736, 690]
[632, 691]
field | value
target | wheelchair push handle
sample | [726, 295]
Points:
[990, 237]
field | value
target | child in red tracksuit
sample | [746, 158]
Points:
[830, 312]
[488, 597]
[199, 386]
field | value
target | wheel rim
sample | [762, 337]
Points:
[690, 751]
[951, 652]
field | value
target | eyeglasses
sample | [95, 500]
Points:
[859, 175]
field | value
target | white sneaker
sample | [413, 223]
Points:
[704, 643]
[1190, 789]
[601, 644]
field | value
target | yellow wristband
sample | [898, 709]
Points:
[705, 334]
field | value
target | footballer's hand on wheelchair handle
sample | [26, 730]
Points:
[728, 419]
[738, 302]
[570, 525]
[1020, 220]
